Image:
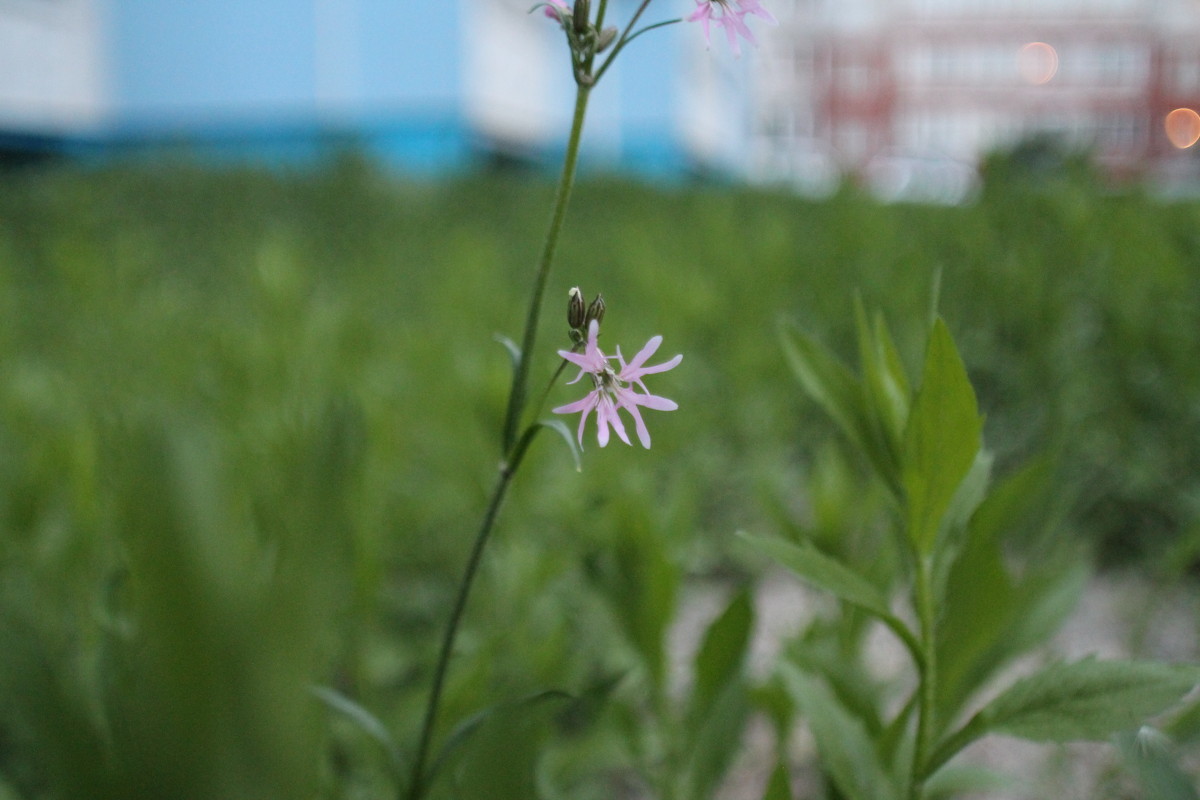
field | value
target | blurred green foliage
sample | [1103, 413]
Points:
[248, 421]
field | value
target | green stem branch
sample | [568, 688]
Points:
[927, 688]
[517, 397]
[417, 782]
[514, 452]
[626, 37]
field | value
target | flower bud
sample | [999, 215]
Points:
[595, 311]
[605, 39]
[576, 313]
[580, 16]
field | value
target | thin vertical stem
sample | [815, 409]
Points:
[514, 450]
[517, 397]
[416, 786]
[927, 688]
[625, 38]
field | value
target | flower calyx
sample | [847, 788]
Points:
[584, 38]
[580, 316]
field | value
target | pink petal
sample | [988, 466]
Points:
[593, 337]
[585, 404]
[653, 401]
[731, 34]
[746, 33]
[612, 418]
[645, 352]
[642, 433]
[703, 15]
[590, 362]
[752, 7]
[601, 427]
[582, 422]
[575, 358]
[636, 375]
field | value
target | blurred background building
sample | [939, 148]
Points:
[422, 86]
[907, 95]
[921, 90]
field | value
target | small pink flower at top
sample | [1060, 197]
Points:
[555, 9]
[730, 15]
[612, 388]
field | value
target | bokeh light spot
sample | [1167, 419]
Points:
[1037, 62]
[1183, 127]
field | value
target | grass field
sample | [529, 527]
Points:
[251, 418]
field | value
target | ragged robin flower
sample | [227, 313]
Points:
[730, 15]
[613, 388]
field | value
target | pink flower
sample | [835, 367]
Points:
[730, 15]
[555, 9]
[612, 389]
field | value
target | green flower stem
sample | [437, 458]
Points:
[514, 451]
[517, 397]
[553, 380]
[417, 784]
[927, 689]
[417, 781]
[625, 37]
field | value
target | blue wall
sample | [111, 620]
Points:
[215, 61]
[291, 80]
[259, 79]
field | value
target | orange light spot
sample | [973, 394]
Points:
[1037, 62]
[1183, 127]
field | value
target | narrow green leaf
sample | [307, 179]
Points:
[514, 351]
[884, 380]
[967, 779]
[367, 722]
[847, 751]
[822, 571]
[714, 742]
[495, 752]
[833, 576]
[1087, 699]
[828, 382]
[895, 379]
[991, 613]
[719, 660]
[943, 435]
[559, 427]
[779, 787]
[840, 394]
[637, 577]
[1082, 700]
[970, 493]
[935, 295]
[1185, 725]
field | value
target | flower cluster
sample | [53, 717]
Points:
[730, 15]
[727, 14]
[612, 388]
[583, 36]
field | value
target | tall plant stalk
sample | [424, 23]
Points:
[514, 448]
[517, 397]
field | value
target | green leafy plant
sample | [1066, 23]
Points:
[952, 594]
[680, 740]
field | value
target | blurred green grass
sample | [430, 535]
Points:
[252, 419]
